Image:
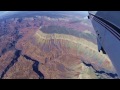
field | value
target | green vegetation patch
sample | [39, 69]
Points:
[69, 31]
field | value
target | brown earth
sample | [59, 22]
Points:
[60, 56]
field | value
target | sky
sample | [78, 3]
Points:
[2, 13]
[8, 12]
[84, 12]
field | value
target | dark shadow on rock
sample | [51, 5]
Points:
[35, 66]
[101, 72]
[15, 59]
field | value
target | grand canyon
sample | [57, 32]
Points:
[51, 45]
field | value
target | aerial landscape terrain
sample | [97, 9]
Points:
[51, 45]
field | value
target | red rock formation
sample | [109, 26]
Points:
[59, 55]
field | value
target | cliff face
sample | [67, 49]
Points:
[28, 50]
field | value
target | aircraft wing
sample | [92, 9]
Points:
[107, 27]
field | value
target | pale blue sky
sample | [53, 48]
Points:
[10, 12]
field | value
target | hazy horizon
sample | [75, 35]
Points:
[8, 12]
